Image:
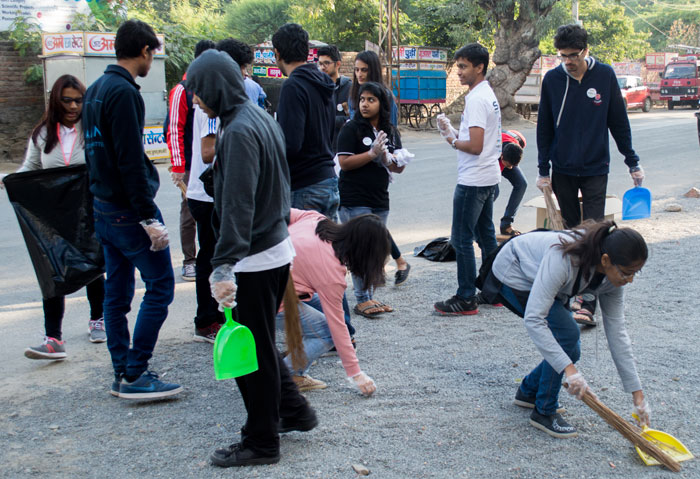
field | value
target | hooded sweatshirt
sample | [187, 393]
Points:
[307, 115]
[574, 118]
[251, 178]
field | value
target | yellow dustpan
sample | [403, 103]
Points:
[664, 441]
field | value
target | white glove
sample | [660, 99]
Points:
[157, 232]
[378, 145]
[222, 282]
[643, 412]
[403, 157]
[387, 158]
[577, 385]
[177, 177]
[445, 127]
[363, 383]
[637, 174]
[543, 182]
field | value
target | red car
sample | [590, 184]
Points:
[635, 93]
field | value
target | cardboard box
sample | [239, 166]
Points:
[613, 206]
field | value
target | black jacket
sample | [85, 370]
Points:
[340, 97]
[113, 120]
[306, 114]
[251, 179]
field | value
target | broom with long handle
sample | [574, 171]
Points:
[553, 215]
[630, 432]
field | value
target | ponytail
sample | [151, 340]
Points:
[592, 240]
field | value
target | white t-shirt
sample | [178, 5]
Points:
[202, 127]
[274, 257]
[481, 110]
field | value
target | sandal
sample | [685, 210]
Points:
[509, 231]
[386, 308]
[368, 309]
[585, 317]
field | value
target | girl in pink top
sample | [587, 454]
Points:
[324, 252]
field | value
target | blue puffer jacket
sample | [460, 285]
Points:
[574, 118]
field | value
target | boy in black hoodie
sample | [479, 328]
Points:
[306, 114]
[127, 220]
[253, 252]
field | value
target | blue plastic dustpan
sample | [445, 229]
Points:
[636, 204]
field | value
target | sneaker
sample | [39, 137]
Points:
[481, 300]
[401, 275]
[96, 330]
[148, 386]
[51, 348]
[456, 305]
[307, 383]
[189, 272]
[529, 402]
[304, 424]
[236, 455]
[553, 425]
[208, 334]
[116, 385]
[334, 352]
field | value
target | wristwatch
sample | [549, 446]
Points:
[454, 143]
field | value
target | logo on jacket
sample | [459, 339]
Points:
[597, 100]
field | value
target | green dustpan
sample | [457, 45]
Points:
[234, 350]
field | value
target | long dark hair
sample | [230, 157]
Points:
[374, 74]
[362, 244]
[55, 111]
[382, 94]
[592, 240]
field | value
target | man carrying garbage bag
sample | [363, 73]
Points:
[253, 252]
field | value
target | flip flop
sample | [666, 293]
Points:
[385, 307]
[362, 311]
[585, 317]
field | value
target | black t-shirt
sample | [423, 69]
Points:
[367, 185]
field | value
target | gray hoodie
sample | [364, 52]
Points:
[251, 176]
[533, 263]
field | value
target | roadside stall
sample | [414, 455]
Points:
[86, 55]
[527, 98]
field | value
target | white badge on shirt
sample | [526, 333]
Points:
[367, 141]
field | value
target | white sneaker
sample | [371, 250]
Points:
[189, 272]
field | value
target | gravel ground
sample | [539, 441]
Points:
[443, 406]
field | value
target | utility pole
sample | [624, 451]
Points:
[388, 40]
[574, 11]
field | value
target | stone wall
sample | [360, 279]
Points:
[21, 105]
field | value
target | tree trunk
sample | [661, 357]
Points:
[517, 41]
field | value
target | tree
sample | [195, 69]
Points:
[684, 33]
[254, 21]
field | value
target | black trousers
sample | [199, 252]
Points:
[593, 190]
[207, 308]
[269, 393]
[55, 307]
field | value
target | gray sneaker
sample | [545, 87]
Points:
[51, 348]
[189, 272]
[96, 330]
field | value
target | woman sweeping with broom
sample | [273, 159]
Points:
[535, 275]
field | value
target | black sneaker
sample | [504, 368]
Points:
[456, 305]
[553, 425]
[529, 402]
[236, 455]
[481, 300]
[307, 423]
[401, 275]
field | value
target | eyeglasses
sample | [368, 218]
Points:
[68, 100]
[571, 56]
[326, 63]
[627, 276]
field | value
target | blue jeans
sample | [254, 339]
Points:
[322, 197]
[472, 219]
[126, 247]
[517, 180]
[346, 213]
[315, 331]
[544, 383]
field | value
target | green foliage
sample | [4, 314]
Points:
[34, 75]
[26, 36]
[254, 21]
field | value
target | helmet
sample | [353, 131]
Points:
[518, 136]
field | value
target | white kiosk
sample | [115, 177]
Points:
[86, 55]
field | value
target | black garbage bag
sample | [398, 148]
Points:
[438, 249]
[54, 210]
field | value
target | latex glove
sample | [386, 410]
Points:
[363, 383]
[577, 385]
[157, 232]
[222, 282]
[387, 159]
[543, 182]
[378, 145]
[445, 127]
[643, 412]
[177, 177]
[637, 174]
